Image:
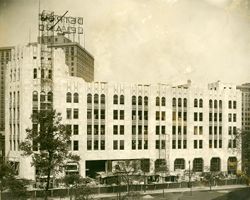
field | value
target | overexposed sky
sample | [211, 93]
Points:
[149, 41]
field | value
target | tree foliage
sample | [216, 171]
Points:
[47, 144]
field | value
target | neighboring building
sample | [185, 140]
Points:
[5, 54]
[159, 123]
[245, 89]
[78, 59]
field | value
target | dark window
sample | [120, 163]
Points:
[76, 98]
[133, 100]
[121, 129]
[157, 144]
[102, 130]
[157, 101]
[215, 164]
[173, 144]
[179, 164]
[50, 96]
[115, 99]
[34, 73]
[157, 130]
[121, 114]
[234, 104]
[68, 113]
[102, 99]
[96, 145]
[75, 145]
[185, 103]
[179, 102]
[122, 99]
[163, 101]
[76, 129]
[115, 114]
[200, 103]
[89, 129]
[68, 97]
[174, 102]
[195, 103]
[198, 165]
[76, 113]
[102, 144]
[121, 144]
[229, 104]
[96, 114]
[115, 144]
[96, 99]
[102, 114]
[89, 98]
[96, 129]
[35, 96]
[115, 129]
[139, 100]
[145, 101]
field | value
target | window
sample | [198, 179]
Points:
[157, 130]
[68, 113]
[200, 116]
[200, 103]
[179, 144]
[133, 115]
[96, 145]
[96, 99]
[133, 144]
[195, 144]
[173, 130]
[173, 144]
[220, 104]
[115, 129]
[220, 117]
[232, 165]
[179, 102]
[133, 130]
[42, 96]
[121, 144]
[195, 116]
[50, 74]
[198, 165]
[115, 114]
[139, 144]
[89, 98]
[96, 130]
[76, 98]
[122, 99]
[89, 130]
[76, 113]
[68, 97]
[210, 103]
[157, 116]
[121, 114]
[229, 117]
[35, 96]
[139, 100]
[229, 104]
[163, 101]
[200, 144]
[200, 130]
[157, 144]
[42, 74]
[163, 144]
[102, 99]
[195, 103]
[185, 103]
[195, 130]
[115, 99]
[234, 117]
[115, 144]
[102, 114]
[174, 102]
[163, 130]
[210, 144]
[121, 129]
[145, 144]
[76, 129]
[157, 101]
[215, 104]
[89, 114]
[234, 104]
[75, 145]
[102, 144]
[102, 130]
[145, 101]
[50, 96]
[179, 163]
[145, 115]
[145, 130]
[133, 100]
[163, 116]
[215, 164]
[139, 130]
[34, 73]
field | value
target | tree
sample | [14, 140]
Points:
[245, 137]
[126, 170]
[212, 176]
[47, 144]
[8, 180]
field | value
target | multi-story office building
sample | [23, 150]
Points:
[78, 59]
[168, 126]
[5, 54]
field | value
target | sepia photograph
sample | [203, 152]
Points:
[124, 99]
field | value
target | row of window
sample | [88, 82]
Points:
[139, 130]
[69, 97]
[96, 99]
[214, 117]
[232, 104]
[196, 103]
[116, 99]
[139, 115]
[44, 73]
[134, 102]
[42, 96]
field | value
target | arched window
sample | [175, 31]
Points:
[133, 100]
[215, 165]
[229, 104]
[35, 96]
[179, 102]
[200, 103]
[76, 98]
[157, 101]
[34, 73]
[89, 98]
[115, 99]
[96, 99]
[179, 163]
[220, 104]
[198, 165]
[145, 101]
[50, 96]
[42, 96]
[139, 100]
[195, 103]
[122, 99]
[232, 165]
[102, 99]
[68, 97]
[185, 103]
[174, 102]
[50, 74]
[210, 103]
[160, 165]
[215, 104]
[163, 101]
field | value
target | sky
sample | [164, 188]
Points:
[149, 41]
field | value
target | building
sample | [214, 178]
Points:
[245, 89]
[78, 59]
[175, 127]
[5, 54]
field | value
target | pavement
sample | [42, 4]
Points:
[173, 190]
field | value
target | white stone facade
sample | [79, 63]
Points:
[141, 131]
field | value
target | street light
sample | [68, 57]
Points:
[189, 178]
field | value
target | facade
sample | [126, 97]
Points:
[78, 59]
[174, 127]
[5, 54]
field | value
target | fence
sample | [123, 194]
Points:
[62, 192]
